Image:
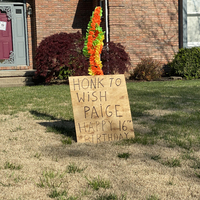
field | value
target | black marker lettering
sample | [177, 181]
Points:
[97, 125]
[126, 135]
[87, 138]
[118, 82]
[103, 124]
[110, 122]
[93, 94]
[110, 137]
[78, 84]
[110, 113]
[91, 127]
[111, 81]
[100, 96]
[94, 111]
[92, 139]
[86, 109]
[81, 98]
[117, 111]
[93, 83]
[115, 136]
[83, 127]
[98, 138]
[120, 136]
[99, 82]
[119, 125]
[101, 110]
[104, 136]
[85, 83]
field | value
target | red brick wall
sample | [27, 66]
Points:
[145, 28]
[56, 16]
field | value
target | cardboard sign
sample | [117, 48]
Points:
[2, 26]
[101, 108]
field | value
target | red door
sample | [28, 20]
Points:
[5, 37]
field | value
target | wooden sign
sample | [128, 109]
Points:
[101, 108]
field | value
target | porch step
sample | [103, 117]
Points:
[13, 78]
[176, 78]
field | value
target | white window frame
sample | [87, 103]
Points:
[187, 14]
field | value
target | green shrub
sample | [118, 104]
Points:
[148, 69]
[186, 63]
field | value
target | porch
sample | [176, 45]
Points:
[13, 78]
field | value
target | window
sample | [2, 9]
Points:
[191, 23]
[11, 0]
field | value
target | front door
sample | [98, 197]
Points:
[5, 37]
[13, 35]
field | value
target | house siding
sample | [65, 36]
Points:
[56, 16]
[147, 28]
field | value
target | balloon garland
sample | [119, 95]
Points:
[94, 43]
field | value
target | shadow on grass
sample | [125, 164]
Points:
[40, 115]
[58, 126]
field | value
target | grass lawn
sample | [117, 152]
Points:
[165, 114]
[170, 110]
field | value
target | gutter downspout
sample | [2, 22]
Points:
[180, 16]
[107, 33]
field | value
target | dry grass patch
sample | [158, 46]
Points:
[51, 170]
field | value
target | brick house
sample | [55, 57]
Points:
[156, 28]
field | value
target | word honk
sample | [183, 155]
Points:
[101, 108]
[87, 83]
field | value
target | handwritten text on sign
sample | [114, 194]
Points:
[101, 108]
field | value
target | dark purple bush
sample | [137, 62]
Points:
[59, 56]
[60, 51]
[117, 60]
